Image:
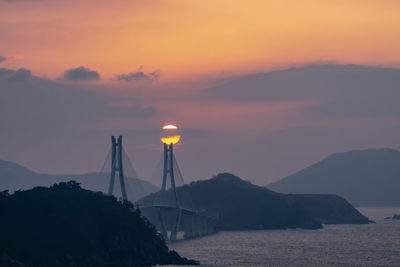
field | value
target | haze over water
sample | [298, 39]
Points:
[334, 245]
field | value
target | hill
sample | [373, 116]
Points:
[363, 177]
[16, 177]
[244, 206]
[65, 225]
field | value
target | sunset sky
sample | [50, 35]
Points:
[88, 69]
[190, 38]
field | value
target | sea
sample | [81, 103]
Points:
[375, 244]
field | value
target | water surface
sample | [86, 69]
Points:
[335, 245]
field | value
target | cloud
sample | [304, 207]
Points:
[139, 75]
[2, 58]
[338, 91]
[42, 105]
[20, 75]
[81, 74]
[155, 74]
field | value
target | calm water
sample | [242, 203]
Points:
[335, 245]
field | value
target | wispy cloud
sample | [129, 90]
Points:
[4, 58]
[139, 75]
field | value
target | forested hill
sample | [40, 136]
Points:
[65, 225]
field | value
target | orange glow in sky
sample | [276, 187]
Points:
[187, 38]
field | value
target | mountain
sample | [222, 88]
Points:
[363, 177]
[16, 177]
[65, 225]
[244, 206]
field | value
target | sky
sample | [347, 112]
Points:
[258, 88]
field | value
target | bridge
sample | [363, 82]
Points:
[170, 221]
[170, 209]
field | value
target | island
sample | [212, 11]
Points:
[241, 205]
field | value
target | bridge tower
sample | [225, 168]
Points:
[168, 170]
[171, 209]
[116, 166]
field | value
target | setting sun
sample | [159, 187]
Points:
[171, 139]
[169, 134]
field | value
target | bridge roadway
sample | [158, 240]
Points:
[169, 207]
[167, 218]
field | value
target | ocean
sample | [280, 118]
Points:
[335, 245]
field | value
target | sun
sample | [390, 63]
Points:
[169, 135]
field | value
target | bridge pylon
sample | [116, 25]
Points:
[168, 170]
[117, 166]
[171, 209]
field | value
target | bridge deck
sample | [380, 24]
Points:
[169, 207]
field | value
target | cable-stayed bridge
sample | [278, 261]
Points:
[170, 208]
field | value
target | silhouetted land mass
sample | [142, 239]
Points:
[65, 225]
[327, 209]
[16, 177]
[363, 177]
[395, 217]
[244, 206]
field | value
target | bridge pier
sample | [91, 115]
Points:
[193, 227]
[170, 221]
[175, 231]
[163, 229]
[203, 226]
[198, 226]
[210, 226]
[188, 228]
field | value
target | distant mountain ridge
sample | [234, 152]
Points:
[16, 177]
[240, 204]
[363, 177]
